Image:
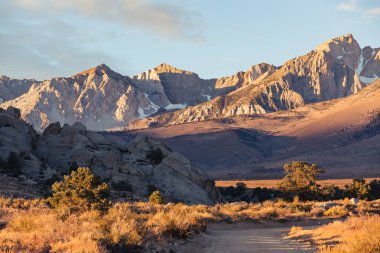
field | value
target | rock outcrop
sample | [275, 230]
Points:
[121, 160]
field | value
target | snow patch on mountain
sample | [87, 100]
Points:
[175, 106]
[368, 80]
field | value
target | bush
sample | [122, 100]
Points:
[155, 156]
[79, 192]
[300, 180]
[374, 191]
[156, 198]
[336, 211]
[358, 188]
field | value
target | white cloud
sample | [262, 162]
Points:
[373, 11]
[352, 6]
[165, 19]
[46, 38]
[348, 6]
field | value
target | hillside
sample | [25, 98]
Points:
[341, 135]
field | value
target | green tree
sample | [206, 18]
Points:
[79, 192]
[156, 198]
[300, 180]
[358, 188]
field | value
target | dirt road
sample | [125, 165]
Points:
[247, 237]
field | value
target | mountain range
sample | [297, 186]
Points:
[102, 99]
[320, 107]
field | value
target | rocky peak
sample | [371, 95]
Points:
[98, 70]
[345, 49]
[166, 68]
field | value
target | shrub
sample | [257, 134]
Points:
[155, 156]
[358, 188]
[374, 191]
[300, 179]
[79, 192]
[331, 192]
[156, 198]
[336, 211]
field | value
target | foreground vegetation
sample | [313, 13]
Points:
[354, 235]
[80, 217]
[33, 226]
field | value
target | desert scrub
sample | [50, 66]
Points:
[156, 198]
[340, 211]
[354, 235]
[127, 227]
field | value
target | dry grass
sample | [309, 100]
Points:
[273, 183]
[354, 235]
[31, 226]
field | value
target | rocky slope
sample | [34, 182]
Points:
[102, 99]
[11, 88]
[99, 98]
[131, 166]
[335, 69]
[341, 135]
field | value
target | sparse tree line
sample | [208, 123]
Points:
[300, 182]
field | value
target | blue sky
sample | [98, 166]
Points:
[47, 38]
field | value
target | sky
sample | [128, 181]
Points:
[42, 39]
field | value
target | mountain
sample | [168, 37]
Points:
[31, 162]
[102, 99]
[335, 69]
[172, 88]
[341, 135]
[99, 98]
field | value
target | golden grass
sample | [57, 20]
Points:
[31, 226]
[273, 183]
[354, 235]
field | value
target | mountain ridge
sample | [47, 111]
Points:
[103, 99]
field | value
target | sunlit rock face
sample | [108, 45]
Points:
[99, 98]
[11, 88]
[335, 69]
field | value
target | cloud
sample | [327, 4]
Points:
[367, 14]
[46, 38]
[46, 53]
[348, 6]
[373, 11]
[165, 19]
